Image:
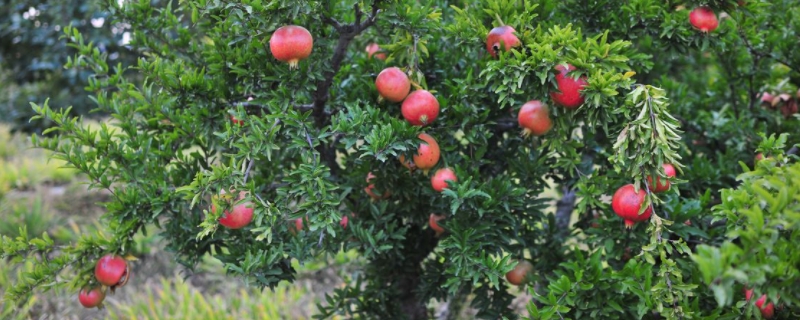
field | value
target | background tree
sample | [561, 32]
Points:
[219, 110]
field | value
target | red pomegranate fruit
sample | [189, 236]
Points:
[428, 153]
[501, 38]
[433, 222]
[372, 52]
[297, 226]
[768, 310]
[370, 187]
[111, 270]
[291, 44]
[440, 178]
[393, 84]
[661, 186]
[534, 118]
[766, 100]
[569, 89]
[240, 216]
[626, 203]
[344, 221]
[704, 19]
[420, 108]
[91, 298]
[237, 121]
[519, 275]
[789, 108]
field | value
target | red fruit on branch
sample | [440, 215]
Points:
[704, 19]
[428, 153]
[420, 108]
[626, 203]
[534, 118]
[501, 38]
[433, 222]
[519, 275]
[91, 298]
[240, 216]
[372, 51]
[370, 187]
[440, 178]
[393, 84]
[298, 225]
[569, 89]
[236, 121]
[789, 108]
[111, 270]
[767, 100]
[661, 186]
[344, 221]
[291, 44]
[768, 310]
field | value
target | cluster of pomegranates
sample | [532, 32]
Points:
[783, 102]
[627, 202]
[767, 309]
[112, 272]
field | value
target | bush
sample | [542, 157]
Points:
[310, 146]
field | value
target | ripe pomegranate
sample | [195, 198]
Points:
[748, 293]
[372, 194]
[372, 48]
[626, 203]
[768, 310]
[661, 186]
[767, 100]
[433, 222]
[704, 19]
[242, 213]
[440, 178]
[519, 275]
[569, 89]
[298, 225]
[420, 108]
[393, 84]
[291, 44]
[759, 157]
[428, 153]
[789, 108]
[344, 221]
[534, 118]
[237, 121]
[111, 270]
[91, 298]
[501, 37]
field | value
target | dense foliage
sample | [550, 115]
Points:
[215, 110]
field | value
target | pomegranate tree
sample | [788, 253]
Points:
[440, 178]
[291, 44]
[91, 298]
[111, 270]
[420, 108]
[534, 118]
[704, 19]
[502, 37]
[393, 84]
[627, 203]
[519, 275]
[569, 89]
